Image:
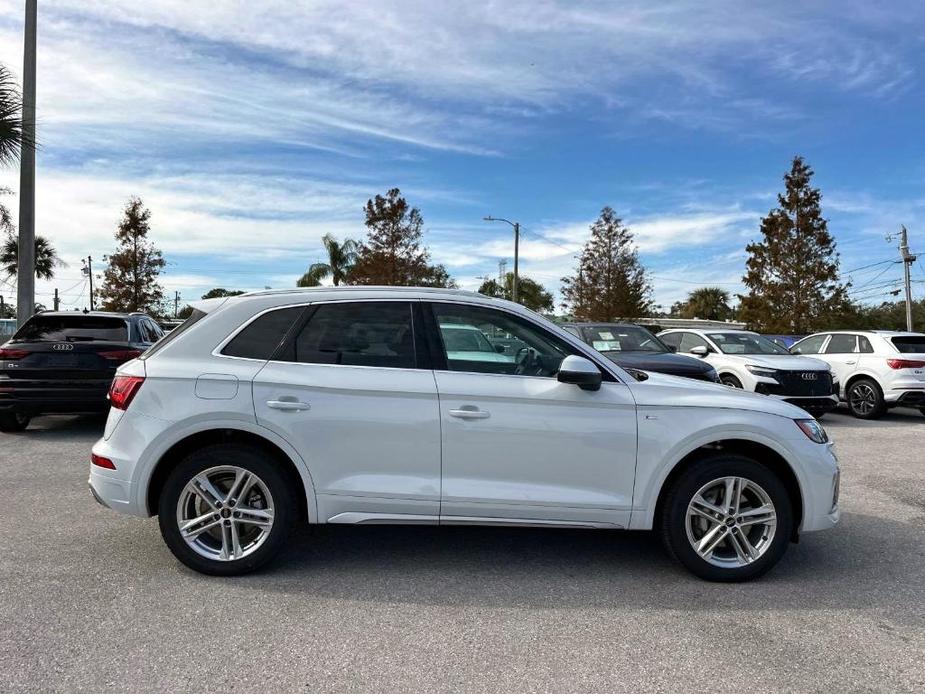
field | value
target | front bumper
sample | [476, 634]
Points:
[820, 496]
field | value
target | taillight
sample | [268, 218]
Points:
[100, 461]
[905, 363]
[123, 389]
[121, 354]
[10, 353]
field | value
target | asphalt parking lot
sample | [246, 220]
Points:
[91, 600]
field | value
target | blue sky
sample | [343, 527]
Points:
[252, 128]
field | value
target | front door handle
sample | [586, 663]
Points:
[469, 412]
[849, 363]
[288, 405]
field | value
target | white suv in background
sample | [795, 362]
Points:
[877, 369]
[751, 361]
[365, 405]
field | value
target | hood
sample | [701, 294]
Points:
[661, 362]
[660, 390]
[787, 362]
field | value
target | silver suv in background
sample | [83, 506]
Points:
[877, 369]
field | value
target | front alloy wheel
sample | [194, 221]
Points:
[226, 509]
[726, 518]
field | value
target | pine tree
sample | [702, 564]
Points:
[792, 273]
[130, 280]
[392, 253]
[610, 282]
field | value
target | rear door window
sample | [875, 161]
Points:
[262, 336]
[376, 333]
[76, 328]
[842, 344]
[910, 344]
[673, 340]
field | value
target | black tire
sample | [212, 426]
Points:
[731, 381]
[14, 421]
[253, 460]
[672, 521]
[865, 399]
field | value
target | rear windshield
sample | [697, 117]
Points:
[194, 317]
[76, 328]
[911, 344]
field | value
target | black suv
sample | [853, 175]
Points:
[63, 363]
[634, 347]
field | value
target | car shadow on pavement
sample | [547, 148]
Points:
[866, 562]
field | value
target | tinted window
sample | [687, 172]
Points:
[528, 350]
[841, 344]
[811, 345]
[745, 343]
[864, 346]
[690, 340]
[144, 331]
[156, 331]
[76, 328]
[359, 334]
[673, 340]
[912, 344]
[260, 338]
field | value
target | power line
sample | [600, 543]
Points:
[875, 278]
[864, 267]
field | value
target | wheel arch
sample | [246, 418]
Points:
[755, 450]
[170, 458]
[857, 376]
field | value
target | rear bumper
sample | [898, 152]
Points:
[912, 397]
[54, 397]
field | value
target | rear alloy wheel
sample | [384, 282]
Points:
[727, 518]
[865, 400]
[226, 510]
[730, 380]
[14, 421]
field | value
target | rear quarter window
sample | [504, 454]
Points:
[261, 337]
[76, 328]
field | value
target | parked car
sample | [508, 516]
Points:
[634, 347]
[877, 369]
[64, 362]
[749, 361]
[785, 341]
[345, 405]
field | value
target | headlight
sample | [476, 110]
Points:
[762, 371]
[813, 430]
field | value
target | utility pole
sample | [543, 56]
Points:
[516, 226]
[88, 271]
[56, 300]
[908, 259]
[25, 292]
[176, 303]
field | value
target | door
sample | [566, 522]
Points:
[352, 393]
[841, 354]
[518, 446]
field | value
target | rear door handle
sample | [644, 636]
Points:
[849, 363]
[470, 413]
[288, 405]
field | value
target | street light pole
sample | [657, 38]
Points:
[516, 226]
[25, 271]
[908, 259]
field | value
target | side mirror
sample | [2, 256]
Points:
[500, 349]
[580, 372]
[700, 351]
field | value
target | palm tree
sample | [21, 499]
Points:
[341, 257]
[46, 257]
[711, 303]
[11, 132]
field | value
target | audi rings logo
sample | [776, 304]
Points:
[810, 376]
[62, 347]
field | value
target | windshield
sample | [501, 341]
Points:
[745, 343]
[76, 328]
[910, 344]
[465, 339]
[623, 338]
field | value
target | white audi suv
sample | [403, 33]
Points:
[747, 360]
[877, 369]
[345, 405]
